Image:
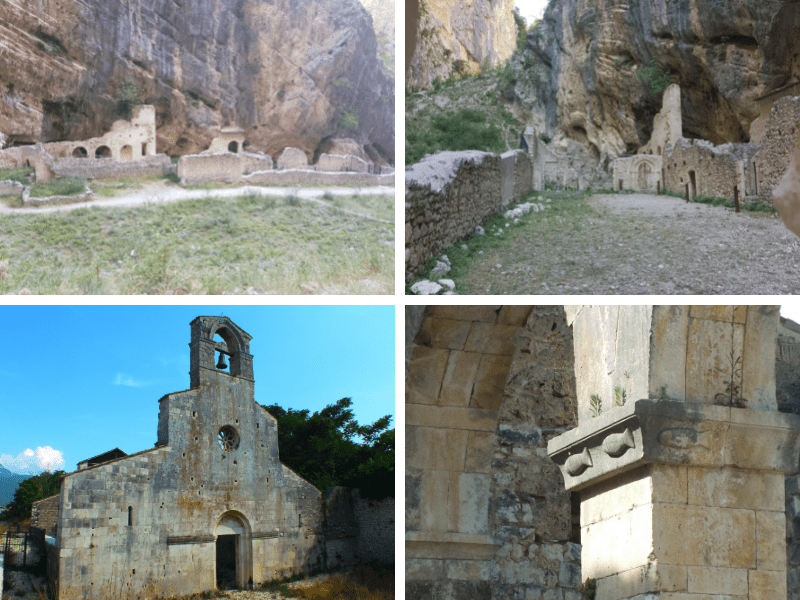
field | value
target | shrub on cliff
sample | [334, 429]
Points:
[465, 130]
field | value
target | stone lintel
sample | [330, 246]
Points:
[683, 433]
[465, 546]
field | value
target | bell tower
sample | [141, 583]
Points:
[208, 356]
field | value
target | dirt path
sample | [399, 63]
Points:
[643, 244]
[159, 192]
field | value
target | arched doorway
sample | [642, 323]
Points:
[234, 551]
[126, 153]
[644, 176]
[80, 152]
[692, 185]
[102, 152]
[233, 147]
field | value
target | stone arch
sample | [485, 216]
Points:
[126, 153]
[233, 147]
[102, 152]
[234, 548]
[494, 376]
[643, 167]
[643, 175]
[80, 152]
[233, 342]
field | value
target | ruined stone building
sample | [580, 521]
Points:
[652, 448]
[209, 505]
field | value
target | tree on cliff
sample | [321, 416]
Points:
[29, 491]
[322, 448]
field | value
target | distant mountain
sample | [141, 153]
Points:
[8, 485]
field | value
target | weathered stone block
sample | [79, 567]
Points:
[443, 333]
[735, 488]
[484, 313]
[437, 449]
[711, 580]
[490, 381]
[479, 452]
[771, 541]
[693, 535]
[708, 359]
[425, 375]
[459, 378]
[468, 507]
[767, 585]
[633, 540]
[491, 339]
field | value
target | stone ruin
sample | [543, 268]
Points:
[653, 449]
[210, 506]
[747, 171]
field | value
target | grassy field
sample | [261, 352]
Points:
[249, 244]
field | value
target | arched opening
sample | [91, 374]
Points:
[227, 346]
[234, 555]
[644, 176]
[692, 185]
[233, 147]
[80, 152]
[126, 153]
[102, 152]
[144, 149]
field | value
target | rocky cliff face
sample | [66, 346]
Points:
[290, 72]
[444, 37]
[579, 72]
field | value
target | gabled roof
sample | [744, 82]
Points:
[104, 457]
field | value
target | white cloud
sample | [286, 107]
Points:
[123, 379]
[44, 458]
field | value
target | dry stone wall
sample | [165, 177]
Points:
[357, 530]
[44, 514]
[376, 529]
[107, 168]
[777, 146]
[449, 193]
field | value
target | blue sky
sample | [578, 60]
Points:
[80, 380]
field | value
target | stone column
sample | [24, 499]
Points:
[680, 452]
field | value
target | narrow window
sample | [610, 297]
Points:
[130, 516]
[299, 520]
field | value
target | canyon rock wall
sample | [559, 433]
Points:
[290, 72]
[439, 33]
[580, 70]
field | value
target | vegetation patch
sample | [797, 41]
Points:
[68, 186]
[21, 175]
[248, 244]
[466, 129]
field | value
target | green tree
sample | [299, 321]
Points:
[128, 94]
[348, 119]
[655, 78]
[323, 448]
[522, 29]
[29, 491]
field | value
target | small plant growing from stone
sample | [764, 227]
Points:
[663, 392]
[595, 405]
[588, 588]
[620, 396]
[732, 396]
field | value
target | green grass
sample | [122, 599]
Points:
[22, 175]
[112, 187]
[716, 201]
[68, 186]
[207, 246]
[466, 129]
[564, 214]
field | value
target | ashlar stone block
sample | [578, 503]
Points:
[711, 580]
[425, 375]
[736, 488]
[443, 333]
[459, 378]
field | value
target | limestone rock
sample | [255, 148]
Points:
[580, 70]
[426, 288]
[289, 73]
[441, 32]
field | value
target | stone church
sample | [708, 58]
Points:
[210, 505]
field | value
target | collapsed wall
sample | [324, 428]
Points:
[449, 193]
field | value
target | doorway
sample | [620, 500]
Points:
[226, 561]
[692, 185]
[234, 552]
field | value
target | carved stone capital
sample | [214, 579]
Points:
[685, 433]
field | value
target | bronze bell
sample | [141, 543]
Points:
[221, 362]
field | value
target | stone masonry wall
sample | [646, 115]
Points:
[777, 145]
[376, 529]
[449, 193]
[717, 168]
[44, 514]
[107, 168]
[486, 511]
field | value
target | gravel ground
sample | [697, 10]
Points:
[645, 244]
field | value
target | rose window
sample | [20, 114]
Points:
[228, 438]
